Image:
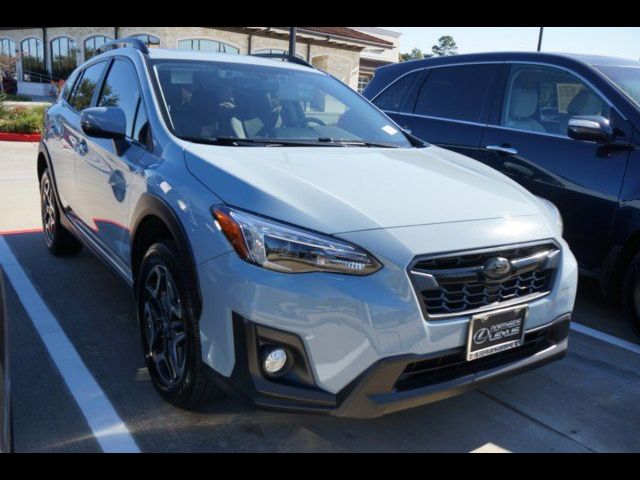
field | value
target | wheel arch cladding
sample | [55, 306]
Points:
[154, 220]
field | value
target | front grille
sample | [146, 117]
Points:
[457, 283]
[437, 370]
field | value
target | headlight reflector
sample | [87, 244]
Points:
[277, 246]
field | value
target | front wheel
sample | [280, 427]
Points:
[169, 330]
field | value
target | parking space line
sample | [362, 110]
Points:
[109, 430]
[605, 337]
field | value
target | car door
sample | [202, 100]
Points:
[103, 174]
[527, 140]
[448, 106]
[64, 137]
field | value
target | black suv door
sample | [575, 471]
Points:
[445, 105]
[527, 140]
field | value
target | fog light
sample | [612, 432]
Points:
[275, 360]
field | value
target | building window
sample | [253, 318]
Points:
[63, 57]
[278, 51]
[33, 68]
[91, 44]
[148, 39]
[363, 80]
[204, 45]
[7, 48]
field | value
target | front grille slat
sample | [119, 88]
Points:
[460, 285]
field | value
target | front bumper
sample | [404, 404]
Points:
[352, 329]
[389, 385]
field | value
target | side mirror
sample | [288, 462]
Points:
[104, 122]
[592, 128]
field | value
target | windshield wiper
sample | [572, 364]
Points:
[355, 143]
[235, 142]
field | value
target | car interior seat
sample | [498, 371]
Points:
[523, 105]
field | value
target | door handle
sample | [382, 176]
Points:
[502, 149]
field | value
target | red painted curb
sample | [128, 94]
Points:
[20, 137]
[20, 232]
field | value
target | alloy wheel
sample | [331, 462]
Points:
[164, 327]
[48, 211]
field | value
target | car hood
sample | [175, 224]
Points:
[338, 190]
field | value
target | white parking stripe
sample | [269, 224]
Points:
[109, 430]
[605, 337]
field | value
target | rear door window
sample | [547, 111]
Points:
[456, 92]
[393, 99]
[86, 86]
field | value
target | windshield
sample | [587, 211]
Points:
[257, 104]
[626, 79]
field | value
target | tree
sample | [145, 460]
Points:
[416, 54]
[446, 46]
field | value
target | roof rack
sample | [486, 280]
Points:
[285, 57]
[122, 43]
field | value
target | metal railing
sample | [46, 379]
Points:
[39, 77]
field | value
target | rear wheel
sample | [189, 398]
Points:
[59, 240]
[631, 291]
[169, 330]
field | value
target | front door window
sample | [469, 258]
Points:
[542, 99]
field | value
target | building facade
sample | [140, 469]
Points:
[51, 53]
[374, 56]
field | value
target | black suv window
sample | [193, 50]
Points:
[121, 90]
[456, 92]
[392, 98]
[542, 99]
[86, 86]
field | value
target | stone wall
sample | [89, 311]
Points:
[343, 63]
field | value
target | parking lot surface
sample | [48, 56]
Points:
[587, 402]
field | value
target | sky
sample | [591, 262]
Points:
[612, 41]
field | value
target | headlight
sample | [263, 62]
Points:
[555, 213]
[284, 248]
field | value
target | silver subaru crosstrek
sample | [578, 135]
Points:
[288, 242]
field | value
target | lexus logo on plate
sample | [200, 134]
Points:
[496, 268]
[481, 336]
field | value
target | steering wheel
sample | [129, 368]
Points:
[316, 120]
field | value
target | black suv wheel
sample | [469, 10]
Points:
[169, 329]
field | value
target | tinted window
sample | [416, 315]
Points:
[455, 92]
[393, 97]
[542, 99]
[141, 127]
[85, 88]
[68, 85]
[121, 90]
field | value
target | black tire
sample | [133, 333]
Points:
[181, 378]
[58, 239]
[631, 292]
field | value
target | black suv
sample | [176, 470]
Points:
[567, 127]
